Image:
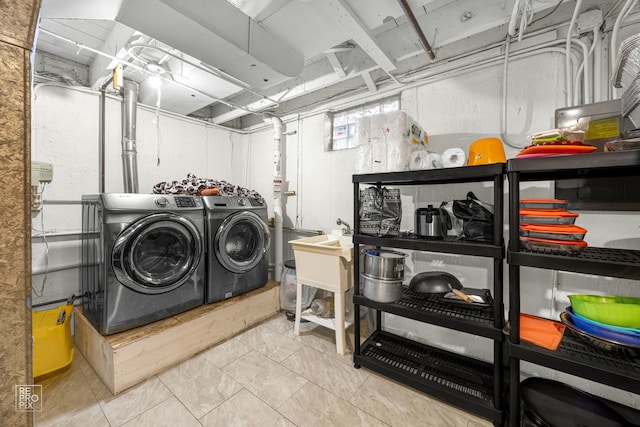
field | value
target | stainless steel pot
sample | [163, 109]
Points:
[431, 222]
[384, 264]
[380, 290]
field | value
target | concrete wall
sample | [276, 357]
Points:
[454, 111]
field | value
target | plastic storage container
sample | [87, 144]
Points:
[288, 292]
[52, 341]
[544, 216]
[555, 247]
[553, 231]
[548, 204]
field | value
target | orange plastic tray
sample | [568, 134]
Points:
[558, 149]
[541, 332]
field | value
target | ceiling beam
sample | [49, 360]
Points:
[368, 80]
[113, 45]
[344, 16]
[335, 63]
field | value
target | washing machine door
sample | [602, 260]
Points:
[157, 254]
[241, 241]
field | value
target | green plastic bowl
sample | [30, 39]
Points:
[610, 310]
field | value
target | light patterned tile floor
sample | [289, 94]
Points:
[266, 376]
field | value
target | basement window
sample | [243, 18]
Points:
[343, 123]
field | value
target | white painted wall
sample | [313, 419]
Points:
[454, 111]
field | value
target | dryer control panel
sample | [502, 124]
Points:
[187, 201]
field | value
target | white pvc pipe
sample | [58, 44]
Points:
[514, 18]
[569, 70]
[583, 68]
[597, 66]
[545, 47]
[277, 195]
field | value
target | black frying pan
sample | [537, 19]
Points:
[434, 282]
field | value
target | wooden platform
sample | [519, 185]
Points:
[128, 358]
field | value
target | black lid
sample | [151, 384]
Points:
[558, 404]
[290, 263]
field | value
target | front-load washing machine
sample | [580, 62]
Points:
[143, 258]
[237, 244]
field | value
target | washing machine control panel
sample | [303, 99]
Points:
[162, 202]
[180, 202]
[242, 202]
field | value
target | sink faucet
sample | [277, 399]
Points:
[347, 227]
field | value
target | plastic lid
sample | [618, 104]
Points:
[290, 263]
[544, 212]
[559, 404]
[543, 201]
[554, 228]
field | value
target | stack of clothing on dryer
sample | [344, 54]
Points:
[201, 186]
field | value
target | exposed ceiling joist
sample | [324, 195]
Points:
[346, 18]
[335, 63]
[368, 80]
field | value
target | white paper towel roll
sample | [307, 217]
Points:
[415, 159]
[454, 157]
[363, 158]
[376, 128]
[379, 157]
[434, 161]
[362, 131]
[423, 159]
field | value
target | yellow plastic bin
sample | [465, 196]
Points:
[52, 341]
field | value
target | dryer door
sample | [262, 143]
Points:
[241, 242]
[157, 253]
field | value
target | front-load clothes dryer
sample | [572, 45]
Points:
[237, 244]
[143, 258]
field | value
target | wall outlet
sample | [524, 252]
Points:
[41, 172]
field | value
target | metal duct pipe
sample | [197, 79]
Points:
[129, 154]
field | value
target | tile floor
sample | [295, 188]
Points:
[266, 376]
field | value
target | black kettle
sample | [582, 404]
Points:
[432, 222]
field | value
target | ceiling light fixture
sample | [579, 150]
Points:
[155, 81]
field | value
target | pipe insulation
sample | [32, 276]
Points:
[129, 154]
[277, 194]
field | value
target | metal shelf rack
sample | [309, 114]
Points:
[615, 368]
[474, 385]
